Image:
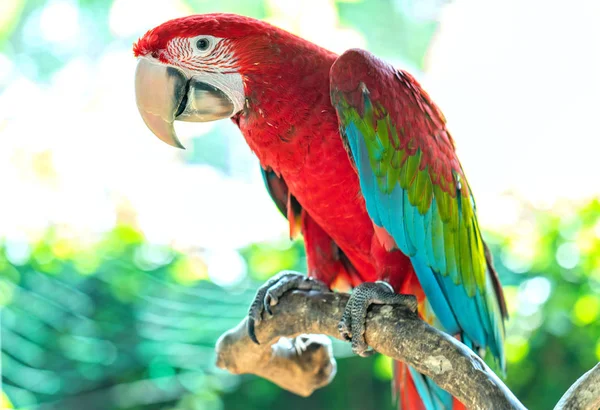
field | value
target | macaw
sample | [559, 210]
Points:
[357, 156]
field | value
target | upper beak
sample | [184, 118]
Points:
[165, 93]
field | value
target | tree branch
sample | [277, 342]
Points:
[305, 362]
[584, 394]
[300, 365]
[391, 330]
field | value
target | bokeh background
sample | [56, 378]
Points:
[122, 260]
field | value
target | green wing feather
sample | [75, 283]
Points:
[415, 188]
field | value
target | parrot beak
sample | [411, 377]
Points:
[165, 93]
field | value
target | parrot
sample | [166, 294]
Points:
[359, 159]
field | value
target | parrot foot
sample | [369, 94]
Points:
[352, 325]
[268, 295]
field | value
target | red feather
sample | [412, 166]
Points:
[221, 25]
[291, 125]
[418, 114]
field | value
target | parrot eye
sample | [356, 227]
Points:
[203, 44]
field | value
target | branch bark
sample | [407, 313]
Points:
[305, 362]
[393, 331]
[301, 364]
[584, 394]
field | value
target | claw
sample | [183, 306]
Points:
[266, 304]
[251, 331]
[368, 352]
[269, 294]
[344, 330]
[270, 300]
[352, 324]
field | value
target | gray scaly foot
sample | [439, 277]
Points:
[352, 325]
[268, 295]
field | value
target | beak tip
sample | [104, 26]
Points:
[174, 141]
[157, 89]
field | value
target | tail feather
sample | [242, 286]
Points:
[405, 391]
[412, 390]
[418, 392]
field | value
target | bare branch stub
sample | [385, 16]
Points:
[300, 364]
[393, 331]
[584, 394]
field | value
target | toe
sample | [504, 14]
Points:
[344, 330]
[255, 311]
[411, 302]
[271, 299]
[267, 303]
[251, 330]
[360, 347]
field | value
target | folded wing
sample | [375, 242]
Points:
[414, 187]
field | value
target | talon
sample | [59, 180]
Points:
[353, 323]
[344, 331]
[269, 294]
[368, 353]
[270, 300]
[359, 346]
[267, 305]
[251, 331]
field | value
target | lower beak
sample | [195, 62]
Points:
[164, 93]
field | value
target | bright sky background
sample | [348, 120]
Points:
[519, 82]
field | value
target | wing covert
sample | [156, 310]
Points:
[415, 188]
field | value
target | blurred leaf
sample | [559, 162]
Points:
[5, 403]
[383, 367]
[586, 309]
[391, 34]
[250, 8]
[10, 15]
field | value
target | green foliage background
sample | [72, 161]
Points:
[123, 323]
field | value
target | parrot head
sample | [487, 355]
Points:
[190, 69]
[201, 68]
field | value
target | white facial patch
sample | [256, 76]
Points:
[211, 60]
[229, 83]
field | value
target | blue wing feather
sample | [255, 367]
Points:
[437, 231]
[414, 235]
[434, 397]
